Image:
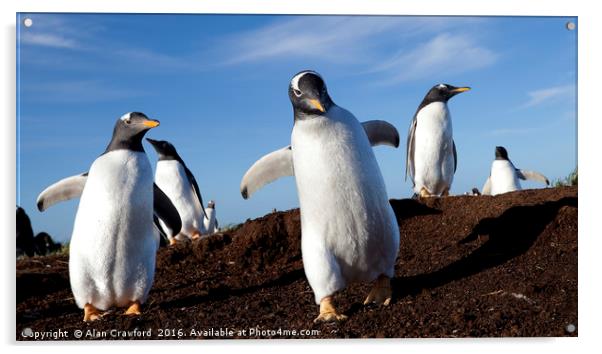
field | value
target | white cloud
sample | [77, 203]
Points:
[48, 40]
[338, 39]
[555, 93]
[77, 91]
[443, 55]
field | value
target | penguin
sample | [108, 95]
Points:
[176, 180]
[349, 230]
[44, 244]
[25, 240]
[431, 157]
[210, 221]
[505, 177]
[114, 242]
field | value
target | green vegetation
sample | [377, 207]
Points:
[570, 180]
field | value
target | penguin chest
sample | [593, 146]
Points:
[171, 177]
[433, 147]
[503, 177]
[345, 213]
[112, 249]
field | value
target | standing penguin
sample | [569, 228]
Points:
[176, 180]
[113, 245]
[210, 221]
[349, 230]
[25, 239]
[505, 177]
[431, 158]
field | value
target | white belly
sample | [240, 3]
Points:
[503, 177]
[209, 221]
[112, 249]
[433, 149]
[349, 230]
[171, 177]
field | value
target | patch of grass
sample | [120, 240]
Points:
[570, 180]
[229, 227]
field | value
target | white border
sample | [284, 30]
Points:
[590, 60]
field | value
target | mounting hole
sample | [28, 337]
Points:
[27, 22]
[570, 25]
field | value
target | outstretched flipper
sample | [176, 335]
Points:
[166, 211]
[267, 169]
[487, 186]
[380, 132]
[532, 175]
[65, 189]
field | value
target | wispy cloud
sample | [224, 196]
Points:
[361, 41]
[48, 40]
[550, 94]
[444, 54]
[81, 91]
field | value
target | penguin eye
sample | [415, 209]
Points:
[127, 121]
[297, 92]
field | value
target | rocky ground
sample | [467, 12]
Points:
[468, 267]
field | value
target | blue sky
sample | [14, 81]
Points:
[218, 84]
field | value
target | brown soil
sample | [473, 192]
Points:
[467, 267]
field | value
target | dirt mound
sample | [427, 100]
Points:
[467, 266]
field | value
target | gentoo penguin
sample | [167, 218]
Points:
[349, 230]
[113, 245]
[505, 177]
[431, 158]
[176, 180]
[210, 221]
[44, 244]
[25, 240]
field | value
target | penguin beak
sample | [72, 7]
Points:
[317, 105]
[151, 123]
[460, 90]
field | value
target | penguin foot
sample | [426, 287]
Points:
[91, 313]
[173, 241]
[196, 235]
[328, 313]
[424, 193]
[381, 292]
[133, 309]
[445, 193]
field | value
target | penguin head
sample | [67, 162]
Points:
[443, 92]
[165, 149]
[211, 205]
[501, 153]
[308, 94]
[129, 131]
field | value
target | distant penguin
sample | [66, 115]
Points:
[114, 242]
[349, 230]
[505, 177]
[431, 158]
[25, 241]
[175, 179]
[44, 244]
[211, 225]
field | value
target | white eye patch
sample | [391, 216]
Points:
[296, 78]
[126, 116]
[442, 86]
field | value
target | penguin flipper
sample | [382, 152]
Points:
[267, 169]
[487, 187]
[195, 186]
[532, 175]
[380, 132]
[65, 189]
[166, 211]
[410, 150]
[455, 156]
